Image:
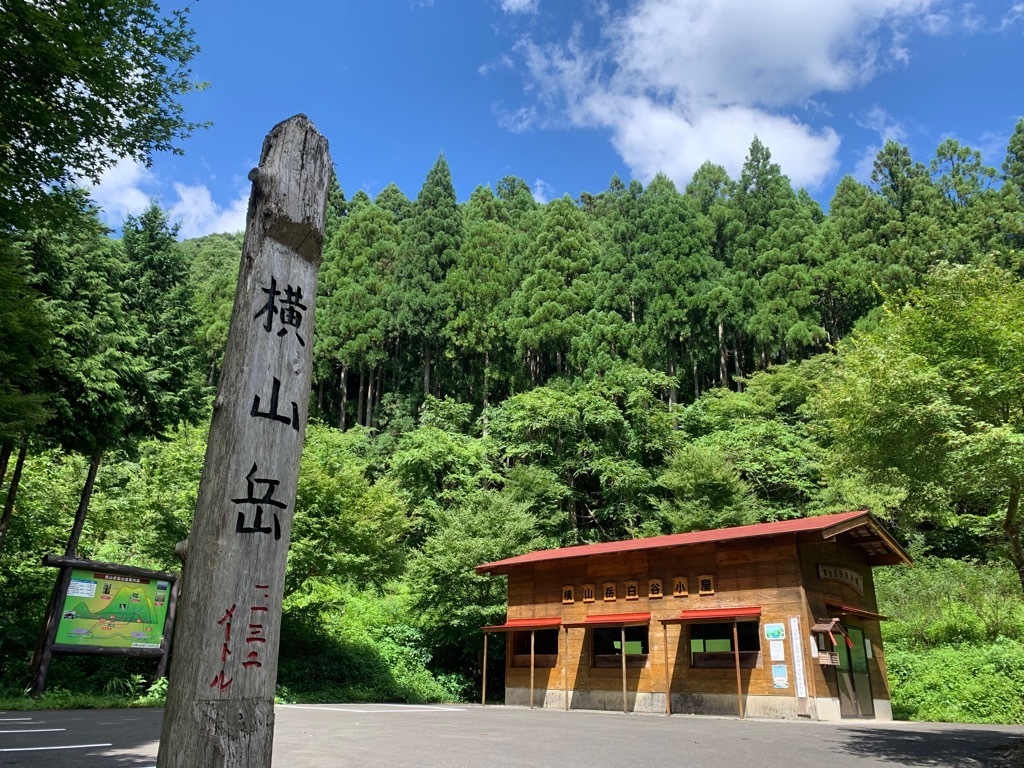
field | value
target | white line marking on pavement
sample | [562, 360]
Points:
[40, 749]
[35, 730]
[12, 719]
[395, 708]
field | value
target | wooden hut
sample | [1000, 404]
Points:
[768, 620]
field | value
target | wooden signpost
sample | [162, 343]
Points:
[220, 702]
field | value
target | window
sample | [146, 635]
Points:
[711, 645]
[607, 647]
[545, 648]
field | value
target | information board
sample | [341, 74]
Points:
[110, 611]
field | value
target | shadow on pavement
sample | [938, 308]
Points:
[955, 748]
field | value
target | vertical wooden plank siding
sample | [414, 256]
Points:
[565, 670]
[736, 656]
[483, 686]
[668, 670]
[625, 705]
[533, 634]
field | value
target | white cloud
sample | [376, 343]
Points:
[198, 214]
[120, 190]
[678, 82]
[971, 20]
[129, 187]
[1012, 17]
[519, 6]
[542, 191]
[880, 121]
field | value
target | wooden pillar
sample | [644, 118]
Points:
[565, 669]
[625, 700]
[533, 634]
[736, 657]
[220, 700]
[483, 686]
[668, 671]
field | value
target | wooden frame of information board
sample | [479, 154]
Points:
[123, 616]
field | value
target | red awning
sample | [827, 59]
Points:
[519, 625]
[613, 620]
[743, 613]
[849, 610]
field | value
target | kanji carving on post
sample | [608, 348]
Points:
[290, 309]
[267, 499]
[272, 414]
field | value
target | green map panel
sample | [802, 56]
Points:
[103, 610]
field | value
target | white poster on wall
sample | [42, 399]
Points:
[798, 657]
[777, 649]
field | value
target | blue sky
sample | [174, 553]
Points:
[566, 93]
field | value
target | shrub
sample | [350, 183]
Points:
[965, 683]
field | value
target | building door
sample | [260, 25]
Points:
[854, 680]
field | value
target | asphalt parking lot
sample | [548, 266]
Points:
[395, 736]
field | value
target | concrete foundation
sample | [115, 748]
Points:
[767, 707]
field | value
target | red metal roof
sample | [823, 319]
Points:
[615, 619]
[523, 624]
[800, 525]
[719, 614]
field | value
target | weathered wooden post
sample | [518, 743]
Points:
[220, 702]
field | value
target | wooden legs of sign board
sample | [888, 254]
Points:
[220, 702]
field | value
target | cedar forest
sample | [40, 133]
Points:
[499, 375]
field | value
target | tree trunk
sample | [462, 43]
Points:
[12, 490]
[371, 392]
[673, 392]
[696, 381]
[83, 504]
[375, 420]
[426, 370]
[5, 457]
[343, 387]
[722, 361]
[361, 408]
[44, 652]
[1011, 525]
[739, 367]
[484, 417]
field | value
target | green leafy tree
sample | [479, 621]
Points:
[353, 325]
[431, 238]
[1013, 165]
[479, 285]
[453, 600]
[158, 294]
[84, 84]
[25, 331]
[214, 261]
[553, 298]
[930, 400]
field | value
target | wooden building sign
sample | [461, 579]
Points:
[717, 622]
[847, 576]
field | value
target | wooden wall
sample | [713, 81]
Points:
[767, 574]
[813, 552]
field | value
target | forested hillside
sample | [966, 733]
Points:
[498, 375]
